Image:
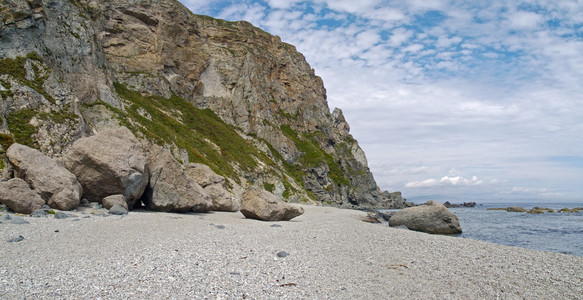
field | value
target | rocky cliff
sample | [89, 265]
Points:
[224, 94]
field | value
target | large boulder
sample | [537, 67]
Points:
[215, 185]
[109, 163]
[17, 195]
[55, 184]
[432, 217]
[263, 205]
[170, 189]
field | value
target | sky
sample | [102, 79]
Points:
[451, 100]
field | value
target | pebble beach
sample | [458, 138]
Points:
[327, 253]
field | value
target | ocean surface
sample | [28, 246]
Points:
[554, 232]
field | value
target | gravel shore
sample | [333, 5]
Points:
[327, 253]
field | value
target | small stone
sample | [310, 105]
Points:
[95, 205]
[109, 201]
[18, 220]
[39, 213]
[16, 239]
[275, 225]
[61, 215]
[220, 227]
[282, 254]
[84, 203]
[117, 209]
[5, 217]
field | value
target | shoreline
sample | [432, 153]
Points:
[325, 253]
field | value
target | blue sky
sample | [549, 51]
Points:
[460, 100]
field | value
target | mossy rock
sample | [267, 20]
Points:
[568, 210]
[515, 209]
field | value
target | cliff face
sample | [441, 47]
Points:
[226, 94]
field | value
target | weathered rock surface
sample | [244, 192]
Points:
[112, 200]
[263, 205]
[55, 184]
[17, 195]
[431, 217]
[249, 78]
[215, 186]
[170, 189]
[109, 163]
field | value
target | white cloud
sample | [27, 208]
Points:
[444, 181]
[282, 4]
[445, 42]
[524, 20]
[399, 36]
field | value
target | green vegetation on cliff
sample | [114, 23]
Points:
[313, 156]
[17, 69]
[204, 136]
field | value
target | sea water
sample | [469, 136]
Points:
[555, 232]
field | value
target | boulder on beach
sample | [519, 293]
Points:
[215, 185]
[109, 163]
[431, 217]
[263, 205]
[170, 189]
[18, 196]
[55, 184]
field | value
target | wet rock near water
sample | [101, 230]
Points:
[455, 205]
[432, 217]
[537, 209]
